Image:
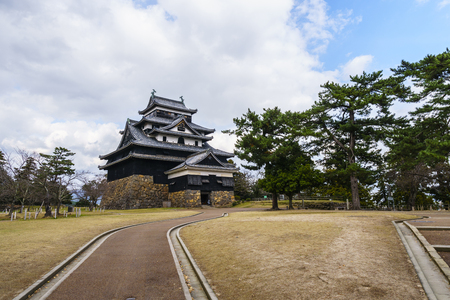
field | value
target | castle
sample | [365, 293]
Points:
[164, 160]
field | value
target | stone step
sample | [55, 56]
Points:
[441, 248]
[433, 227]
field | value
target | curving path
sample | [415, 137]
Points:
[132, 263]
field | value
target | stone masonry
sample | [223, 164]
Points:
[222, 198]
[139, 191]
[136, 191]
[187, 198]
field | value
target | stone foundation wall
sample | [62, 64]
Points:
[188, 199]
[136, 191]
[139, 191]
[222, 198]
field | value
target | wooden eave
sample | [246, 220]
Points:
[201, 168]
[144, 156]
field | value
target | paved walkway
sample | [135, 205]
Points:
[132, 263]
[137, 263]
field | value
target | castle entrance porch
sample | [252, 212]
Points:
[205, 198]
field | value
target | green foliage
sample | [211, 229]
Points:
[83, 203]
[349, 120]
[243, 184]
[293, 171]
[259, 139]
[268, 142]
[431, 77]
[55, 175]
[59, 163]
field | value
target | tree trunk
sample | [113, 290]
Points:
[275, 201]
[48, 211]
[351, 160]
[57, 208]
[355, 192]
[11, 208]
[290, 202]
[412, 198]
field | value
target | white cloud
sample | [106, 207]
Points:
[71, 71]
[317, 26]
[356, 66]
[443, 3]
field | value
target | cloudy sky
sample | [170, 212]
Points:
[73, 71]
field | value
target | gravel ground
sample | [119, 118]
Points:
[293, 255]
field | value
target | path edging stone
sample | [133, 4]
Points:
[206, 287]
[40, 282]
[442, 265]
[426, 286]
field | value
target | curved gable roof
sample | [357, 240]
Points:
[199, 161]
[156, 101]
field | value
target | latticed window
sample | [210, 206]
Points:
[227, 181]
[194, 180]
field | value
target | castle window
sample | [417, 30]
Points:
[194, 180]
[227, 181]
[181, 140]
[164, 139]
[196, 143]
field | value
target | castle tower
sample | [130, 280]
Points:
[165, 159]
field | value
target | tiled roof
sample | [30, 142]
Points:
[140, 139]
[176, 122]
[193, 160]
[123, 142]
[166, 103]
[133, 135]
[144, 156]
[165, 121]
[178, 133]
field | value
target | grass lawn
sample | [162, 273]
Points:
[304, 255]
[31, 248]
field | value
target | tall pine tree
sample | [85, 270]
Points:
[353, 118]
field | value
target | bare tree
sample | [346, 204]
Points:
[92, 188]
[16, 176]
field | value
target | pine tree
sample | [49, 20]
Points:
[353, 118]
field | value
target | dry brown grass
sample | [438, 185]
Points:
[29, 249]
[295, 255]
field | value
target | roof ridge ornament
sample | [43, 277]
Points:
[182, 100]
[153, 94]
